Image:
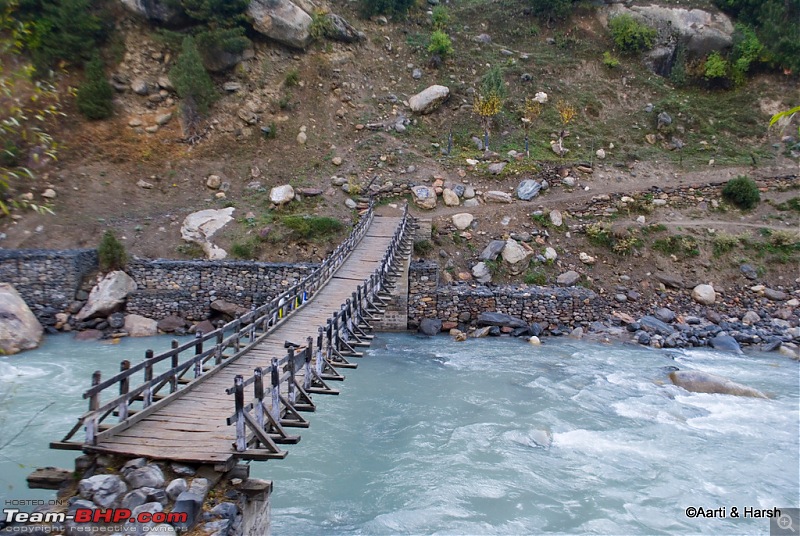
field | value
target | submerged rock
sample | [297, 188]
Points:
[705, 382]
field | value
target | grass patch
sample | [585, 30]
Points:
[724, 243]
[535, 276]
[678, 245]
[307, 227]
[422, 247]
[792, 204]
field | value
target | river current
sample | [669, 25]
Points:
[489, 436]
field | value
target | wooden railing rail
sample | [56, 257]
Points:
[260, 426]
[224, 343]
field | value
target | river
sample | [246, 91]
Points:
[489, 436]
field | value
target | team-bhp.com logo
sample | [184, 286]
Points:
[89, 515]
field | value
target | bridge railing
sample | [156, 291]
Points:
[167, 373]
[260, 423]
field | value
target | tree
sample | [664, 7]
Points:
[111, 253]
[95, 94]
[191, 79]
[65, 30]
[530, 112]
[489, 100]
[28, 107]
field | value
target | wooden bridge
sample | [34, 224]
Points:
[232, 393]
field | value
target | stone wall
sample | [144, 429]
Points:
[462, 303]
[187, 288]
[46, 279]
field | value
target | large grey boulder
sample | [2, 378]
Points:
[704, 294]
[19, 328]
[429, 99]
[569, 278]
[705, 382]
[108, 295]
[652, 324]
[430, 326]
[341, 30]
[161, 11]
[517, 256]
[501, 319]
[492, 250]
[149, 476]
[482, 273]
[699, 32]
[104, 490]
[282, 21]
[200, 226]
[725, 343]
[496, 196]
[462, 221]
[280, 195]
[424, 197]
[528, 189]
[140, 326]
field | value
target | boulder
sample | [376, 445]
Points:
[430, 326]
[749, 272]
[492, 250]
[556, 218]
[282, 21]
[517, 256]
[481, 273]
[652, 324]
[669, 280]
[424, 197]
[429, 99]
[664, 314]
[462, 221]
[496, 196]
[775, 295]
[704, 294]
[450, 198]
[140, 326]
[502, 320]
[108, 295]
[567, 279]
[104, 490]
[19, 328]
[725, 343]
[280, 195]
[191, 502]
[230, 309]
[171, 323]
[705, 382]
[481, 332]
[496, 168]
[176, 487]
[528, 189]
[341, 30]
[161, 11]
[697, 31]
[149, 476]
[750, 318]
[200, 226]
[550, 254]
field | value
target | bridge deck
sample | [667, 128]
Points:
[192, 428]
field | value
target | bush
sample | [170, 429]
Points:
[422, 247]
[742, 192]
[321, 26]
[292, 78]
[63, 30]
[550, 10]
[316, 227]
[536, 276]
[440, 18]
[716, 67]
[111, 253]
[747, 50]
[630, 35]
[95, 94]
[609, 60]
[191, 79]
[440, 44]
[369, 8]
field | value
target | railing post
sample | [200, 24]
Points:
[290, 384]
[241, 438]
[173, 380]
[276, 390]
[124, 385]
[198, 349]
[148, 377]
[259, 394]
[218, 348]
[94, 405]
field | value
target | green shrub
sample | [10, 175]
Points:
[536, 276]
[678, 245]
[422, 247]
[111, 253]
[63, 30]
[440, 18]
[610, 60]
[369, 8]
[292, 78]
[246, 249]
[716, 67]
[550, 10]
[95, 95]
[440, 44]
[213, 43]
[312, 227]
[747, 50]
[742, 192]
[723, 243]
[678, 75]
[630, 35]
[321, 26]
[191, 79]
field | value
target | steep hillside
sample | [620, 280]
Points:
[139, 179]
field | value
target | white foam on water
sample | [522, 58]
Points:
[592, 442]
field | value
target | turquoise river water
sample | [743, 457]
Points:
[489, 436]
